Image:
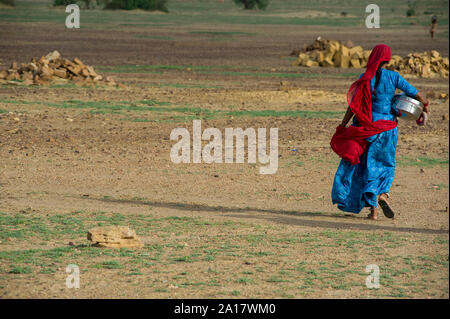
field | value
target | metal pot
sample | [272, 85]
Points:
[410, 108]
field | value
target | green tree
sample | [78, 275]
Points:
[138, 4]
[116, 4]
[8, 2]
[251, 4]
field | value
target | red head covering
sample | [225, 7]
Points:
[350, 143]
[359, 97]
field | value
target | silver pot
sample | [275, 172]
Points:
[410, 108]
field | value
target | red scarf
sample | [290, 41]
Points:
[350, 142]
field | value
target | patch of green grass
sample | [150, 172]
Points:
[130, 68]
[421, 161]
[70, 86]
[244, 280]
[183, 85]
[195, 284]
[19, 270]
[298, 196]
[112, 264]
[183, 259]
[275, 279]
[281, 75]
[18, 225]
[213, 241]
[161, 290]
[189, 113]
[216, 70]
[440, 186]
[186, 13]
[288, 113]
[260, 253]
[152, 36]
[235, 293]
[222, 33]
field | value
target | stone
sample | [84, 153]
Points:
[61, 73]
[45, 70]
[344, 50]
[52, 56]
[12, 76]
[114, 237]
[66, 63]
[334, 46]
[32, 67]
[43, 60]
[318, 56]
[85, 72]
[28, 82]
[349, 44]
[91, 71]
[425, 72]
[27, 76]
[355, 63]
[327, 62]
[443, 73]
[75, 69]
[302, 58]
[310, 63]
[356, 52]
[435, 54]
[445, 62]
[78, 61]
[341, 60]
[363, 63]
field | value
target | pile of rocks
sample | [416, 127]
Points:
[426, 65]
[52, 68]
[318, 44]
[333, 53]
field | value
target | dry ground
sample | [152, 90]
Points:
[75, 157]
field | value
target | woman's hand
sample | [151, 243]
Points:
[423, 118]
[425, 106]
[347, 117]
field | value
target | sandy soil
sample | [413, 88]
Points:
[57, 160]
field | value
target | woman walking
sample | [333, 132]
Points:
[368, 146]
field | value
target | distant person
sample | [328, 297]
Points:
[433, 26]
[368, 146]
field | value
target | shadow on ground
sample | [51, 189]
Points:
[296, 218]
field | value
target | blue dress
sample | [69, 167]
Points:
[357, 186]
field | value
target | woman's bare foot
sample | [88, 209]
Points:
[373, 215]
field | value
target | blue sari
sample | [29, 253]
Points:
[357, 186]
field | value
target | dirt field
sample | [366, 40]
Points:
[75, 157]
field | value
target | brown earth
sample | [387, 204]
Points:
[57, 160]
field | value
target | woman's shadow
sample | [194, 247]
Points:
[288, 217]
